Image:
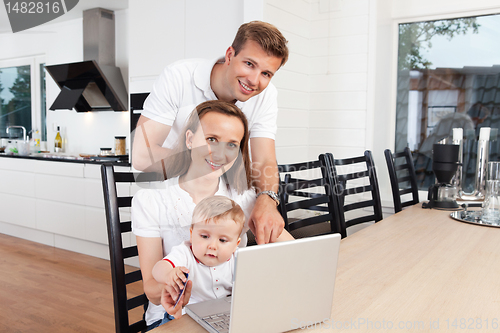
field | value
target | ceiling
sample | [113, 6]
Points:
[72, 14]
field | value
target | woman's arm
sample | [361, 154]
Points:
[150, 252]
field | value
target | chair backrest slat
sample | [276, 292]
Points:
[129, 252]
[405, 191]
[136, 301]
[358, 205]
[307, 203]
[358, 220]
[133, 276]
[357, 190]
[401, 167]
[124, 201]
[126, 226]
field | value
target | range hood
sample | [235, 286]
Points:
[94, 84]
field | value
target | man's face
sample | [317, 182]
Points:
[248, 73]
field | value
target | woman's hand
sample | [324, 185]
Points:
[168, 302]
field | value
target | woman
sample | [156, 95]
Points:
[211, 159]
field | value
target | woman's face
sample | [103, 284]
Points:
[216, 143]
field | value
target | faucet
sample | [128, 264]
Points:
[22, 127]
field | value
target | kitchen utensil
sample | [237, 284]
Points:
[443, 194]
[106, 152]
[120, 145]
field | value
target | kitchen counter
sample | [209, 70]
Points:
[58, 157]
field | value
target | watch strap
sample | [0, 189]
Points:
[273, 195]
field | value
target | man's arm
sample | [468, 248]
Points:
[147, 151]
[266, 222]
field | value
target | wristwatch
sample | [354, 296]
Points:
[272, 195]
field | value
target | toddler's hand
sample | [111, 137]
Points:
[175, 281]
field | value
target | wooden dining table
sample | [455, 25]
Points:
[416, 271]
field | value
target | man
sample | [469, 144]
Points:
[242, 77]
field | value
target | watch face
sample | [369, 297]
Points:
[273, 196]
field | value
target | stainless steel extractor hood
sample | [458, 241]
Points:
[94, 84]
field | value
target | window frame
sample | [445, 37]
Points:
[394, 64]
[36, 85]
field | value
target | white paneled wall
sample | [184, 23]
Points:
[339, 65]
[324, 87]
[293, 80]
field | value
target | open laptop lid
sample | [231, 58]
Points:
[281, 285]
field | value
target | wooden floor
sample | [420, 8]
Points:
[45, 289]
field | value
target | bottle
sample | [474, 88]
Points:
[58, 141]
[36, 138]
[35, 141]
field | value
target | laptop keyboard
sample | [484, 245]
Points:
[219, 322]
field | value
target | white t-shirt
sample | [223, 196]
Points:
[208, 282]
[167, 213]
[186, 83]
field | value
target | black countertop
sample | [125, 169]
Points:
[118, 161]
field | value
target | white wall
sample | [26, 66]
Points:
[293, 79]
[177, 30]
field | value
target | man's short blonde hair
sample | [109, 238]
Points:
[216, 208]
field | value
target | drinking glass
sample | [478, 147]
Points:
[491, 206]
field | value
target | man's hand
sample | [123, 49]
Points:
[168, 302]
[266, 222]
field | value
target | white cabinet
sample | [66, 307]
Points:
[55, 203]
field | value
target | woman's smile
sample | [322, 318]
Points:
[213, 165]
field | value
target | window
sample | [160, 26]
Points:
[448, 77]
[22, 96]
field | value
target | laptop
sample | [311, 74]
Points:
[277, 287]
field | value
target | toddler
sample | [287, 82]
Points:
[209, 255]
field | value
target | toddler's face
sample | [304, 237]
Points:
[214, 243]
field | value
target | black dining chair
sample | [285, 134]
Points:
[403, 178]
[307, 203]
[123, 275]
[355, 178]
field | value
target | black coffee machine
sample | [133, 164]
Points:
[445, 163]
